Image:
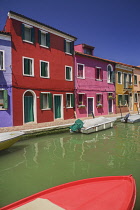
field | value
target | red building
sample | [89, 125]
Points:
[42, 71]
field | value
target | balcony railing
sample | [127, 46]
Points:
[128, 85]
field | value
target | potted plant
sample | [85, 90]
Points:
[99, 105]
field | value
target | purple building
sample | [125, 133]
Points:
[94, 83]
[6, 113]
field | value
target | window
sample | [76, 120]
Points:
[44, 38]
[120, 100]
[119, 77]
[99, 100]
[45, 100]
[28, 33]
[81, 99]
[80, 71]
[110, 74]
[2, 60]
[68, 46]
[69, 100]
[28, 68]
[44, 69]
[135, 97]
[130, 79]
[98, 73]
[68, 73]
[88, 51]
[135, 79]
[126, 100]
[3, 99]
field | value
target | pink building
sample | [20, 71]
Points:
[94, 83]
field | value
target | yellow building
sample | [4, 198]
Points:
[124, 87]
[136, 80]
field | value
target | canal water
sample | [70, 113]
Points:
[39, 163]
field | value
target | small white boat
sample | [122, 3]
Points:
[93, 125]
[9, 138]
[131, 118]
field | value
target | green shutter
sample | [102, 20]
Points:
[39, 37]
[64, 45]
[43, 69]
[67, 73]
[50, 100]
[72, 48]
[72, 100]
[48, 39]
[26, 66]
[41, 101]
[32, 35]
[5, 97]
[22, 31]
[123, 99]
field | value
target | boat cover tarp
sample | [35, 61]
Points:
[77, 125]
[97, 121]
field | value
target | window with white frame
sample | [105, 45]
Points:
[135, 80]
[2, 60]
[28, 66]
[135, 97]
[120, 100]
[119, 77]
[80, 71]
[44, 69]
[3, 99]
[68, 46]
[126, 100]
[130, 79]
[99, 100]
[69, 100]
[28, 33]
[68, 73]
[81, 99]
[45, 100]
[98, 73]
[110, 71]
[44, 38]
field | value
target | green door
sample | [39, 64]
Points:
[28, 109]
[57, 106]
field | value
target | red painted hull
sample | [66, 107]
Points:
[103, 193]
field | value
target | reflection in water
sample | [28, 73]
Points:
[39, 163]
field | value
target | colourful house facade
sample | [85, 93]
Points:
[124, 88]
[136, 82]
[94, 83]
[6, 111]
[42, 69]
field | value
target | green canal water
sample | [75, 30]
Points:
[39, 163]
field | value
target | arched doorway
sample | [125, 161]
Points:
[29, 107]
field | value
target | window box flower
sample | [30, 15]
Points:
[81, 106]
[99, 105]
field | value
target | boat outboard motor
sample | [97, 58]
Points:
[126, 117]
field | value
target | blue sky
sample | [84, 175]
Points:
[111, 26]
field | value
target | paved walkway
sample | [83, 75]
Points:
[33, 127]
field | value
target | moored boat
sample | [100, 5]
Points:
[134, 118]
[101, 193]
[93, 125]
[7, 139]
